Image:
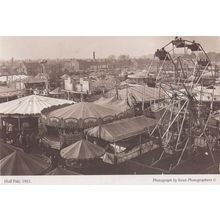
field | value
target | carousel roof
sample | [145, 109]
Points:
[30, 105]
[83, 110]
[123, 129]
[82, 150]
[61, 171]
[20, 163]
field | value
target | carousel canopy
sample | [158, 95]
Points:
[30, 105]
[83, 110]
[20, 163]
[61, 171]
[82, 150]
[123, 129]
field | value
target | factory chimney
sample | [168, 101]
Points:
[93, 55]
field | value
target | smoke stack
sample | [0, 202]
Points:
[93, 55]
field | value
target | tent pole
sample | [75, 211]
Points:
[143, 99]
[115, 161]
[1, 121]
[19, 124]
[81, 94]
[140, 141]
[2, 135]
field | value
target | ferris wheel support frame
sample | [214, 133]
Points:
[197, 68]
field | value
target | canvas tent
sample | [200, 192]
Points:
[137, 93]
[123, 129]
[103, 100]
[114, 103]
[82, 150]
[20, 163]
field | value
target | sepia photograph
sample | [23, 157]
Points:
[109, 109]
[98, 105]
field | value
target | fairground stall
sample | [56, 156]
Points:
[139, 97]
[124, 139]
[57, 93]
[8, 94]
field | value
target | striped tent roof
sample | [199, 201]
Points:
[82, 150]
[20, 163]
[83, 110]
[136, 93]
[6, 149]
[30, 105]
[122, 129]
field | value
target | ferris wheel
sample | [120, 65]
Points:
[183, 60]
[182, 126]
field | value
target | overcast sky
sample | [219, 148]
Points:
[82, 47]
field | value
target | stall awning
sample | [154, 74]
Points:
[122, 129]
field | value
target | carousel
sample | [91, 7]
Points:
[65, 126]
[22, 115]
